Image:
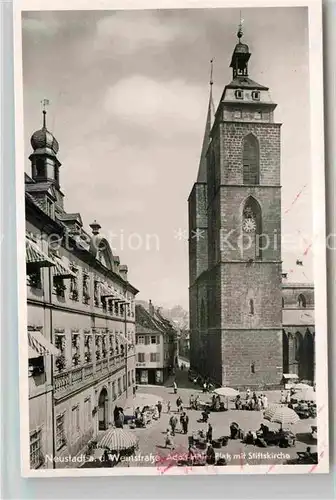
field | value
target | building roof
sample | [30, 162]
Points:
[297, 277]
[70, 217]
[151, 322]
[202, 169]
[245, 82]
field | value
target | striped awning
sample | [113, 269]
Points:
[61, 269]
[35, 256]
[40, 346]
[32, 353]
[118, 440]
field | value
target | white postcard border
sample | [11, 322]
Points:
[319, 243]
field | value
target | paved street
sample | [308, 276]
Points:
[152, 438]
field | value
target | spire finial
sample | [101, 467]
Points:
[211, 72]
[240, 28]
[44, 103]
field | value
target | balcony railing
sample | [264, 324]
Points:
[66, 380]
[62, 381]
[76, 375]
[88, 371]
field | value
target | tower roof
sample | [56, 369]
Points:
[43, 141]
[202, 169]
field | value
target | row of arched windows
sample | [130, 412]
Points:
[301, 301]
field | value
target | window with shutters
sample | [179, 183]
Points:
[60, 432]
[141, 357]
[36, 455]
[251, 160]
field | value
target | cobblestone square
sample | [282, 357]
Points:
[152, 438]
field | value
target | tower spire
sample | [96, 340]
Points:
[240, 32]
[202, 170]
[44, 103]
[241, 54]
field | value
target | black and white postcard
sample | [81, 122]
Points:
[171, 237]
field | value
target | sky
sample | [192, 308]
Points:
[128, 94]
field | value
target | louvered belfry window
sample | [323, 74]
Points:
[251, 160]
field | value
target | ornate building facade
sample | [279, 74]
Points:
[81, 319]
[236, 291]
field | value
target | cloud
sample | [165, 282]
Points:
[132, 31]
[165, 107]
[46, 25]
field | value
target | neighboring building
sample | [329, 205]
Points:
[184, 343]
[81, 318]
[298, 321]
[235, 292]
[156, 345]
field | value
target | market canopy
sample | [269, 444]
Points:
[141, 400]
[118, 440]
[227, 392]
[281, 415]
[302, 387]
[305, 395]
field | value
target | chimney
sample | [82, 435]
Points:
[123, 270]
[151, 308]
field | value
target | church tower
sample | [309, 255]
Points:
[198, 251]
[44, 162]
[242, 313]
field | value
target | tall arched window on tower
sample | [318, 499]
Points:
[250, 160]
[302, 303]
[203, 316]
[252, 230]
[251, 303]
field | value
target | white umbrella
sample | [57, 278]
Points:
[281, 415]
[302, 387]
[143, 399]
[118, 440]
[227, 392]
[308, 395]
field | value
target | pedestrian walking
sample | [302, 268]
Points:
[209, 433]
[288, 396]
[175, 387]
[159, 407]
[168, 406]
[173, 422]
[169, 443]
[178, 403]
[185, 424]
[248, 393]
[196, 402]
[210, 455]
[265, 402]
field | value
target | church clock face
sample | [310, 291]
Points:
[249, 225]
